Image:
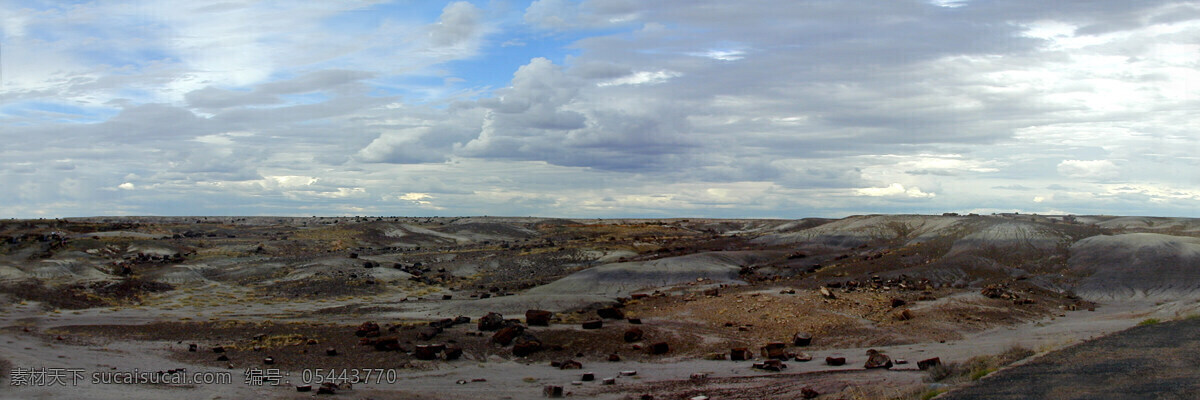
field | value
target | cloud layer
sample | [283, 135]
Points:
[599, 108]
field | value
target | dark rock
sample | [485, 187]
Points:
[801, 339]
[425, 352]
[526, 345]
[635, 321]
[774, 353]
[835, 361]
[223, 358]
[193, 347]
[660, 348]
[740, 354]
[505, 336]
[427, 332]
[808, 392]
[588, 377]
[331, 351]
[570, 364]
[538, 317]
[218, 349]
[610, 313]
[491, 322]
[367, 329]
[304, 388]
[633, 334]
[876, 359]
[614, 357]
[552, 391]
[390, 343]
[452, 352]
[929, 363]
[269, 360]
[898, 303]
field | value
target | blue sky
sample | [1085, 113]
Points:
[599, 108]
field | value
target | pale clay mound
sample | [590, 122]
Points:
[1137, 265]
[621, 279]
[1182, 225]
[1019, 235]
[853, 231]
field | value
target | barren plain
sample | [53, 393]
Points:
[517, 308]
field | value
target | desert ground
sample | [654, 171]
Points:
[1009, 305]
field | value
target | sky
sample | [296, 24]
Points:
[599, 108]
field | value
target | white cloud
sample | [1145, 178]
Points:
[894, 190]
[126, 186]
[642, 78]
[1088, 169]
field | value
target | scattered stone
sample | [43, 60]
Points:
[660, 348]
[774, 350]
[538, 317]
[491, 322]
[633, 334]
[223, 358]
[610, 313]
[740, 354]
[825, 292]
[804, 357]
[898, 302]
[525, 345]
[452, 352]
[331, 351]
[425, 352]
[588, 377]
[390, 343]
[876, 359]
[712, 292]
[614, 357]
[304, 388]
[367, 329]
[929, 363]
[218, 349]
[801, 339]
[635, 321]
[905, 315]
[552, 391]
[698, 377]
[593, 324]
[193, 347]
[570, 364]
[609, 381]
[269, 360]
[835, 361]
[505, 336]
[427, 332]
[809, 393]
[770, 365]
[628, 373]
